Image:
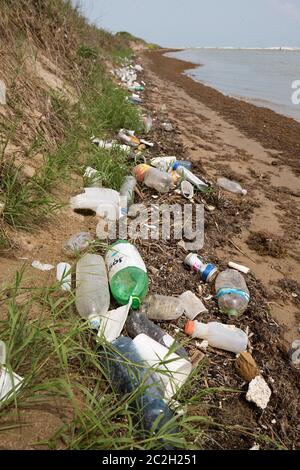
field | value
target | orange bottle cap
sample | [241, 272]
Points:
[189, 327]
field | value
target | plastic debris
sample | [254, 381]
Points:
[110, 145]
[189, 176]
[145, 142]
[138, 323]
[92, 291]
[246, 366]
[78, 242]
[41, 266]
[140, 171]
[10, 382]
[255, 447]
[127, 273]
[232, 292]
[162, 307]
[104, 201]
[64, 276]
[295, 353]
[161, 181]
[112, 322]
[2, 207]
[167, 126]
[172, 369]
[148, 123]
[231, 186]
[259, 392]
[207, 272]
[138, 68]
[218, 335]
[239, 267]
[128, 138]
[192, 305]
[187, 190]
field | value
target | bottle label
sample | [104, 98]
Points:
[228, 291]
[121, 256]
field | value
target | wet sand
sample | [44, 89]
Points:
[260, 149]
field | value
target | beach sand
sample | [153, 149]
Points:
[224, 136]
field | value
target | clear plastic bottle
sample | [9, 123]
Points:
[186, 174]
[92, 291]
[127, 372]
[231, 186]
[162, 307]
[232, 292]
[161, 181]
[138, 323]
[218, 335]
[127, 190]
[127, 273]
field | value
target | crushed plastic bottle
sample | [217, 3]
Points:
[162, 307]
[127, 372]
[186, 174]
[127, 273]
[163, 163]
[92, 291]
[78, 242]
[218, 335]
[127, 192]
[138, 323]
[232, 292]
[158, 180]
[231, 186]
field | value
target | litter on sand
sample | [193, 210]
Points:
[41, 266]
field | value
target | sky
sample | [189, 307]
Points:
[195, 23]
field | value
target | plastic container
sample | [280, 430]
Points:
[138, 323]
[99, 200]
[92, 291]
[163, 163]
[189, 176]
[162, 307]
[207, 271]
[184, 163]
[218, 335]
[64, 276]
[140, 171]
[127, 192]
[127, 372]
[231, 186]
[232, 292]
[158, 180]
[127, 273]
[148, 123]
[172, 369]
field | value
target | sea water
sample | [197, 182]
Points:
[263, 77]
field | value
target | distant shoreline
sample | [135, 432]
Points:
[273, 130]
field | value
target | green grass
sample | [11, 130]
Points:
[59, 357]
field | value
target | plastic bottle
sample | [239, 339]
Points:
[218, 335]
[158, 180]
[127, 273]
[232, 292]
[92, 292]
[127, 191]
[231, 186]
[172, 369]
[140, 171]
[138, 323]
[189, 176]
[184, 163]
[207, 271]
[163, 163]
[127, 372]
[162, 307]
